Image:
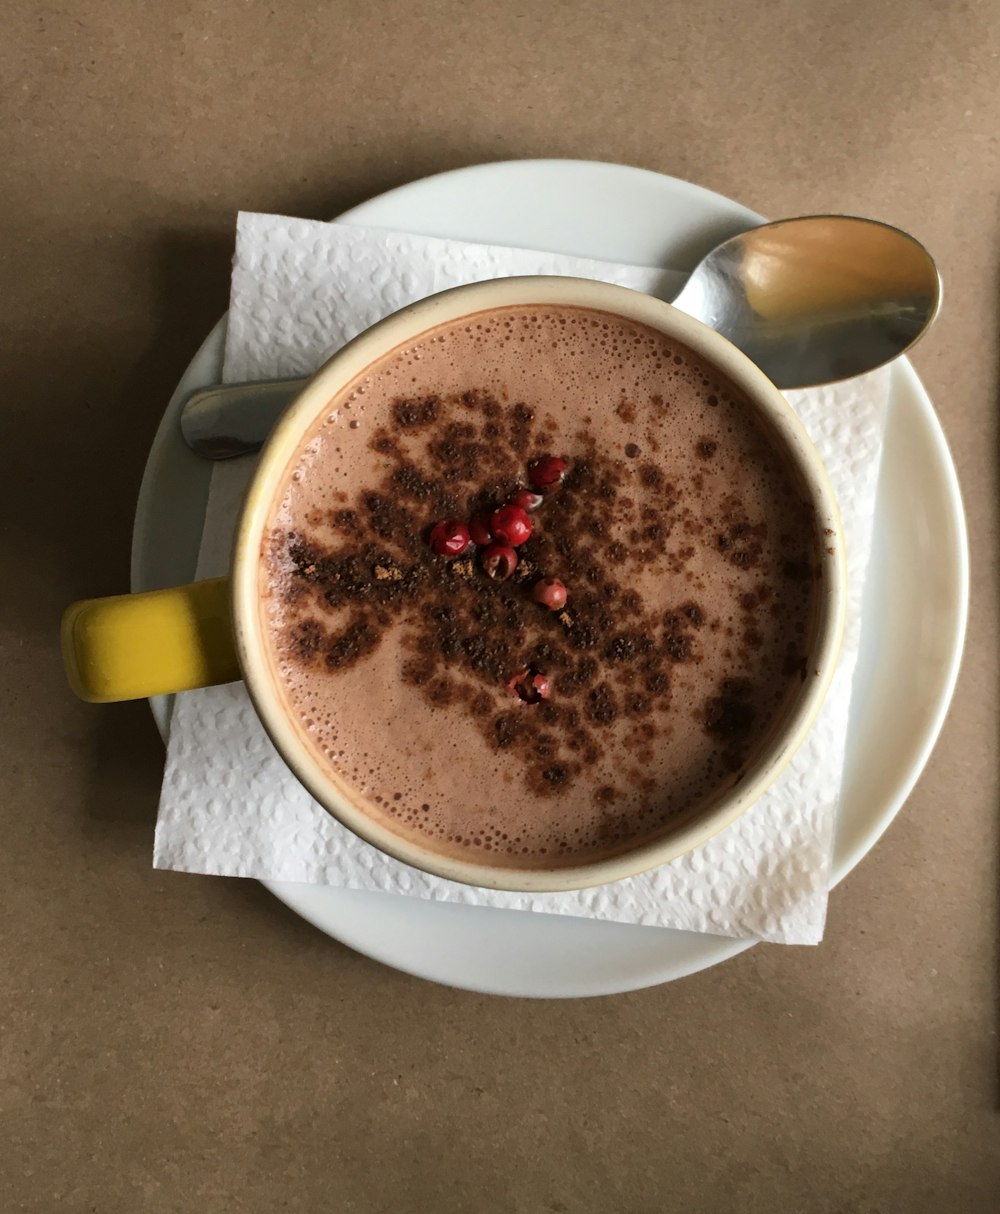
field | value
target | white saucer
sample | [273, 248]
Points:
[914, 615]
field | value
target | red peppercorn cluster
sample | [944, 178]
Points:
[498, 535]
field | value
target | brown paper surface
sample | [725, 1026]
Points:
[176, 1043]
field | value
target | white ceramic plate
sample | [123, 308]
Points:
[914, 613]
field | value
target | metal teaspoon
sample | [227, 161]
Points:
[810, 300]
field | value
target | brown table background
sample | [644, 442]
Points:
[179, 1043]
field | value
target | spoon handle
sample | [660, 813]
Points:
[234, 419]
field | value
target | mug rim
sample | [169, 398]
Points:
[404, 326]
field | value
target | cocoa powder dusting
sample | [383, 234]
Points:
[465, 634]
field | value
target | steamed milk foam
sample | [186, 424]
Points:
[681, 532]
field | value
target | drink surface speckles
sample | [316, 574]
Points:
[680, 532]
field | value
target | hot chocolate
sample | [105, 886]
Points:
[643, 648]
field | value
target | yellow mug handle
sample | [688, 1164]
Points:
[131, 646]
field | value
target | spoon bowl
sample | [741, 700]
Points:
[816, 299]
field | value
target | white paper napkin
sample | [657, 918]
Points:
[229, 804]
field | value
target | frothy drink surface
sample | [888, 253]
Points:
[680, 532]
